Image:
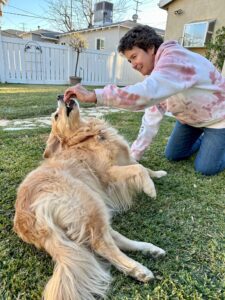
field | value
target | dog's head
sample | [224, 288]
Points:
[65, 121]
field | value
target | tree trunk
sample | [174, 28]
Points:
[78, 54]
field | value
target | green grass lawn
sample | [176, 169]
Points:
[19, 101]
[186, 219]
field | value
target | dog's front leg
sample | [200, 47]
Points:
[135, 176]
[156, 174]
[129, 245]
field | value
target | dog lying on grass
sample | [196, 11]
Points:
[64, 205]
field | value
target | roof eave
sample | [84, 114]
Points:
[49, 38]
[98, 28]
[163, 3]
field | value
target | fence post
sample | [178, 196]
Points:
[70, 62]
[223, 69]
[114, 70]
[2, 64]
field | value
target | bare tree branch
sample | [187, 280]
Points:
[71, 15]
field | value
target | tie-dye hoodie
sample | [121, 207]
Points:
[183, 83]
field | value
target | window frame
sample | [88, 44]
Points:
[207, 34]
[101, 40]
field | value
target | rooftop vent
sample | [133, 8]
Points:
[103, 13]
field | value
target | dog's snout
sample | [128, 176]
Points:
[60, 97]
[72, 103]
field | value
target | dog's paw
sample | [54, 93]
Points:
[159, 174]
[153, 251]
[149, 187]
[142, 273]
[150, 191]
[158, 253]
[156, 174]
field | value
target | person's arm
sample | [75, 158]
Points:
[174, 72]
[148, 130]
[157, 87]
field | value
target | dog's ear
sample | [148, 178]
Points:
[52, 146]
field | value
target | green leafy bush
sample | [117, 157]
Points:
[215, 49]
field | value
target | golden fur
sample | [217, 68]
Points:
[64, 205]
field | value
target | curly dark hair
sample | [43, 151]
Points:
[141, 36]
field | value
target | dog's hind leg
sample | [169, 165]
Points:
[126, 244]
[107, 248]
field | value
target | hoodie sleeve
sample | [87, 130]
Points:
[174, 72]
[148, 130]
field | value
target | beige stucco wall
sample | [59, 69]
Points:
[37, 38]
[193, 11]
[110, 35]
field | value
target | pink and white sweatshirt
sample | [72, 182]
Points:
[183, 83]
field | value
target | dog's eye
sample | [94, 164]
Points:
[56, 116]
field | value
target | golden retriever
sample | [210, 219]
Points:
[64, 206]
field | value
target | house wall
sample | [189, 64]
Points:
[36, 37]
[194, 10]
[110, 35]
[31, 36]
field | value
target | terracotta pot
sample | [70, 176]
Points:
[75, 79]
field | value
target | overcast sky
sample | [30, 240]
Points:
[149, 14]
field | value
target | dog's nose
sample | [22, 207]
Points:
[60, 98]
[76, 103]
[72, 102]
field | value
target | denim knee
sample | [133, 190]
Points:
[172, 156]
[206, 169]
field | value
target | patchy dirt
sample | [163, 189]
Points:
[31, 123]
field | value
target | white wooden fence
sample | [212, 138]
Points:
[24, 61]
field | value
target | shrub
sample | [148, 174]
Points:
[215, 49]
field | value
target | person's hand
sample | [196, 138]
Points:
[80, 93]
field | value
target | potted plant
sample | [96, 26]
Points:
[78, 44]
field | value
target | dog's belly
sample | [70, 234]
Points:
[59, 200]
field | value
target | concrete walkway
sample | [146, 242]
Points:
[31, 123]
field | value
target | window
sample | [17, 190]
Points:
[198, 34]
[100, 44]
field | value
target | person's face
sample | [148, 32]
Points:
[142, 61]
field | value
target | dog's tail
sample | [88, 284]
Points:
[77, 274]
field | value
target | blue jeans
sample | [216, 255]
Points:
[209, 142]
